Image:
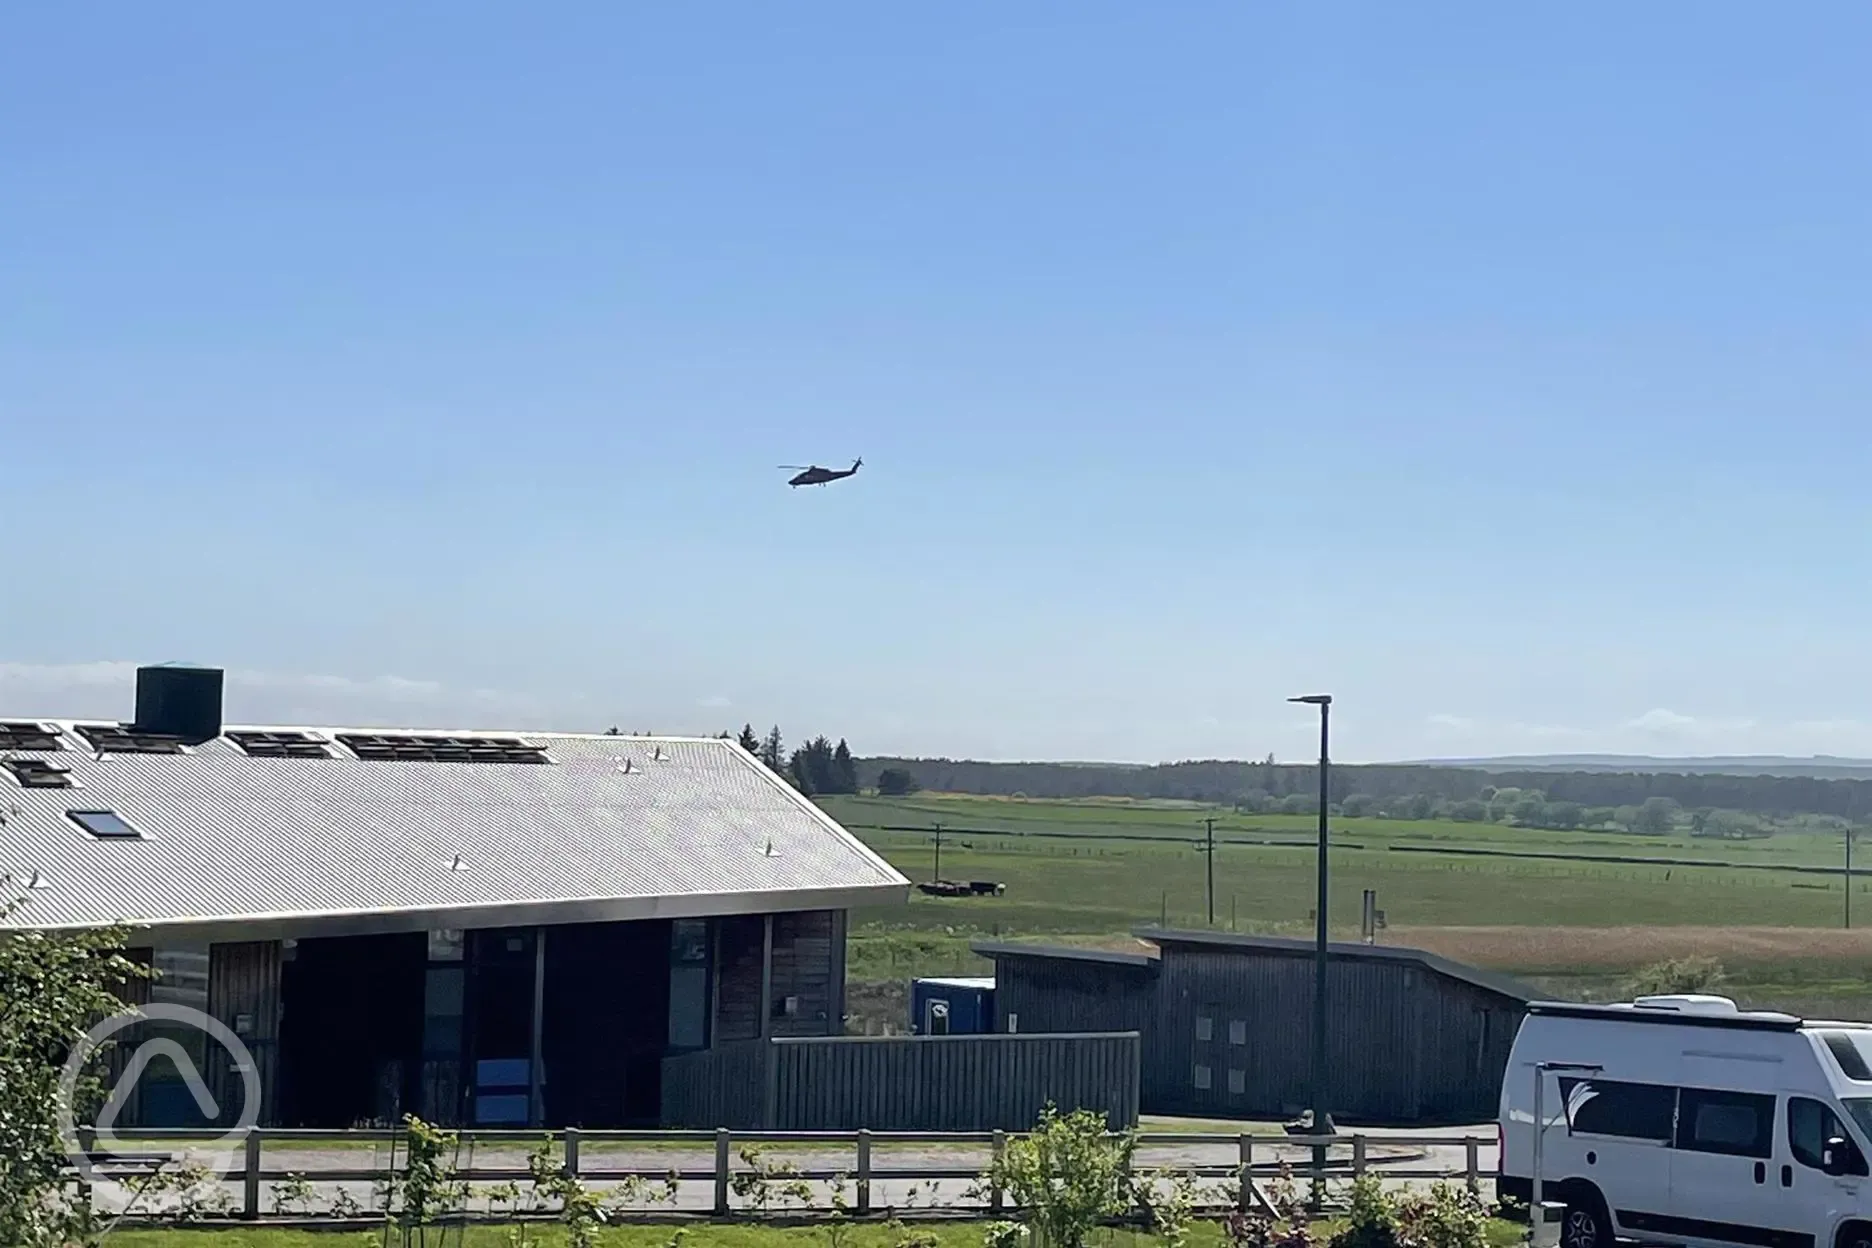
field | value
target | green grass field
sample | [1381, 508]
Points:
[1090, 872]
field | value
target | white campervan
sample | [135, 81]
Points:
[1684, 1120]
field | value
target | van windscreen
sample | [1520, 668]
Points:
[1851, 1052]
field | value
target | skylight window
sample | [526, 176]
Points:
[28, 736]
[281, 744]
[104, 825]
[37, 773]
[410, 747]
[124, 739]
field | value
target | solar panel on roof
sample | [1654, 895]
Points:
[410, 747]
[281, 744]
[29, 736]
[37, 773]
[125, 739]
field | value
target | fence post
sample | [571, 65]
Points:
[87, 1140]
[995, 1197]
[250, 1176]
[1358, 1155]
[1472, 1177]
[572, 1152]
[864, 1173]
[721, 1172]
[1244, 1199]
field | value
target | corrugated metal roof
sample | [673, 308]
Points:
[1493, 981]
[998, 949]
[695, 826]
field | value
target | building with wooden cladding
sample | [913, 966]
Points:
[480, 928]
[1225, 1020]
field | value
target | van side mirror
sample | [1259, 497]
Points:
[1834, 1159]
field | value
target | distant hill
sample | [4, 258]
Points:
[1767, 785]
[1819, 765]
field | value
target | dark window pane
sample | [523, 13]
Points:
[1846, 1050]
[1810, 1126]
[1739, 1124]
[1639, 1111]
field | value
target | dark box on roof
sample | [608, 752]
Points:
[178, 700]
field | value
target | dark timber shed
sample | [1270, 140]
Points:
[1414, 1039]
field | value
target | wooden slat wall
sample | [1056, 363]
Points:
[134, 991]
[803, 968]
[1404, 1045]
[808, 963]
[244, 980]
[902, 1083]
[1056, 994]
[737, 1003]
[719, 1087]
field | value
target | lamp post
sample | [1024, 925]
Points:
[1537, 1195]
[1322, 1123]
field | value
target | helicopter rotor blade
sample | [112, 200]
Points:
[794, 468]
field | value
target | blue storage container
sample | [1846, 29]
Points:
[952, 1006]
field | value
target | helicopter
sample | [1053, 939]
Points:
[815, 475]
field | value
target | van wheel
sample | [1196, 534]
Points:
[1587, 1224]
[1855, 1235]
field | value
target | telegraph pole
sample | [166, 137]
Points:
[1849, 833]
[936, 872]
[1209, 849]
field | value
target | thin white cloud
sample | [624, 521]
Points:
[715, 701]
[1450, 723]
[102, 689]
[1661, 722]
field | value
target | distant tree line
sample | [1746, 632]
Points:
[818, 768]
[1293, 787]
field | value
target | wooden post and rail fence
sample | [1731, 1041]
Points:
[867, 1163]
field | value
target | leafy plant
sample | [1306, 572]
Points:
[1282, 1223]
[1371, 1220]
[1004, 1235]
[1168, 1200]
[53, 987]
[1444, 1217]
[763, 1182]
[1067, 1175]
[429, 1188]
[295, 1190]
[1689, 974]
[580, 1209]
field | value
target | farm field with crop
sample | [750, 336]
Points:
[1575, 912]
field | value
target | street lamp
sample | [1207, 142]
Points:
[1322, 1124]
[1537, 1196]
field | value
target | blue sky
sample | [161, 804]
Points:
[1501, 370]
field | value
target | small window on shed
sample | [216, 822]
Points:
[1238, 1031]
[1205, 1027]
[1238, 1082]
[1204, 1077]
[104, 825]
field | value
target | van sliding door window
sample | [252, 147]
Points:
[1633, 1111]
[1736, 1124]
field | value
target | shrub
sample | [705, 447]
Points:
[1445, 1217]
[1371, 1220]
[1068, 1174]
[1691, 974]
